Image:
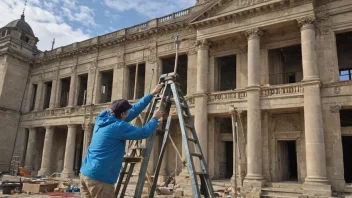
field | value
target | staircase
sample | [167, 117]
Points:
[282, 190]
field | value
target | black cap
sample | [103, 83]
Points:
[120, 106]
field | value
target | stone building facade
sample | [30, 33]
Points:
[285, 65]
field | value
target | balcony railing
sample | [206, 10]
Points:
[280, 90]
[227, 95]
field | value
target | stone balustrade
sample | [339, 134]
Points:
[174, 16]
[280, 90]
[227, 95]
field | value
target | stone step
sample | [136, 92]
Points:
[287, 185]
[281, 192]
[285, 190]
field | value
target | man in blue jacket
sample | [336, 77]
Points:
[101, 166]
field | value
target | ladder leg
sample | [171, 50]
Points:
[161, 156]
[190, 164]
[149, 147]
[127, 180]
[120, 180]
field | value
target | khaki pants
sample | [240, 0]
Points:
[91, 188]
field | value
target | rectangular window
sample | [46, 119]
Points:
[182, 70]
[136, 81]
[48, 87]
[345, 74]
[106, 86]
[3, 33]
[227, 73]
[34, 97]
[285, 65]
[344, 51]
[65, 91]
[82, 89]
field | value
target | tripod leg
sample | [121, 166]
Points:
[162, 152]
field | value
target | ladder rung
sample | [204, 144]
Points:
[188, 126]
[196, 154]
[132, 159]
[135, 148]
[201, 173]
[191, 139]
[160, 131]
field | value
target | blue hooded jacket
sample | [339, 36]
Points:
[105, 154]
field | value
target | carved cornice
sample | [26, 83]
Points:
[306, 23]
[254, 33]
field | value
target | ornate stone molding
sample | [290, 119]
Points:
[306, 23]
[243, 49]
[254, 33]
[152, 59]
[192, 51]
[337, 90]
[324, 30]
[335, 108]
[121, 58]
[203, 44]
[120, 65]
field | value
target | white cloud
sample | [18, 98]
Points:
[150, 8]
[85, 15]
[46, 24]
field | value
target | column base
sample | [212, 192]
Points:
[44, 172]
[252, 186]
[67, 174]
[316, 190]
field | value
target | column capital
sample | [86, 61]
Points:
[254, 33]
[88, 127]
[203, 44]
[48, 127]
[232, 109]
[306, 23]
[72, 126]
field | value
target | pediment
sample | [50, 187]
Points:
[222, 8]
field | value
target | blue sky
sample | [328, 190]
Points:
[70, 21]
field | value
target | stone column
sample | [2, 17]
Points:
[53, 93]
[30, 150]
[38, 100]
[91, 82]
[232, 111]
[254, 177]
[69, 152]
[313, 121]
[46, 157]
[72, 93]
[201, 97]
[87, 137]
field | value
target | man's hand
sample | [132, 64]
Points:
[157, 114]
[157, 89]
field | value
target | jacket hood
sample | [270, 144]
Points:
[104, 118]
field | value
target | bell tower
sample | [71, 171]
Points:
[18, 46]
